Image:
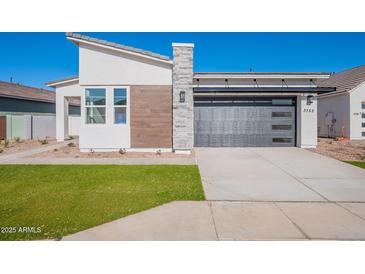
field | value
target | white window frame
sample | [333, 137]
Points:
[121, 106]
[96, 106]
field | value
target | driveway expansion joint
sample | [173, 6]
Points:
[295, 224]
[214, 224]
[349, 211]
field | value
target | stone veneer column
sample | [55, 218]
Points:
[183, 112]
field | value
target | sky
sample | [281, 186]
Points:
[36, 58]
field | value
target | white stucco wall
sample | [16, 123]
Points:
[74, 124]
[356, 97]
[306, 122]
[109, 69]
[334, 109]
[105, 67]
[108, 136]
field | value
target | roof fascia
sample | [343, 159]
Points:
[78, 41]
[57, 83]
[260, 76]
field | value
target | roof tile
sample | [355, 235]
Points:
[345, 80]
[18, 91]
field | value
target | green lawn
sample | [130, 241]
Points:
[64, 199]
[358, 164]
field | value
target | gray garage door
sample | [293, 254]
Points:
[235, 125]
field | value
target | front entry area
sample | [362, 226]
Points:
[244, 122]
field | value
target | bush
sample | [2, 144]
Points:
[17, 139]
[43, 141]
[71, 144]
[1, 150]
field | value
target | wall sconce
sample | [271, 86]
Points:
[182, 96]
[310, 100]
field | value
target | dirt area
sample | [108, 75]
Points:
[21, 145]
[72, 151]
[341, 150]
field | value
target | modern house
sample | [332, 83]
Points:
[29, 113]
[342, 113]
[142, 101]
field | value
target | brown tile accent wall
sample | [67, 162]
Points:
[151, 116]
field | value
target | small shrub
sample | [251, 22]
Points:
[71, 144]
[1, 150]
[17, 139]
[43, 141]
[55, 150]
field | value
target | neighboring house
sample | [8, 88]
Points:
[29, 113]
[141, 101]
[342, 113]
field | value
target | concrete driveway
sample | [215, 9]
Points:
[277, 174]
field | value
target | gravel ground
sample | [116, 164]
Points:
[72, 151]
[22, 145]
[341, 150]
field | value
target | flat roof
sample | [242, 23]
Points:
[238, 90]
[249, 75]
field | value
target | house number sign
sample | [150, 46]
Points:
[309, 110]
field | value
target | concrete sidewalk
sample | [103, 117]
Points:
[188, 220]
[13, 157]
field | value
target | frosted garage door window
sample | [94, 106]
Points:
[120, 106]
[95, 105]
[281, 114]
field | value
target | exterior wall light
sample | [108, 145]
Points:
[310, 100]
[182, 96]
[226, 83]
